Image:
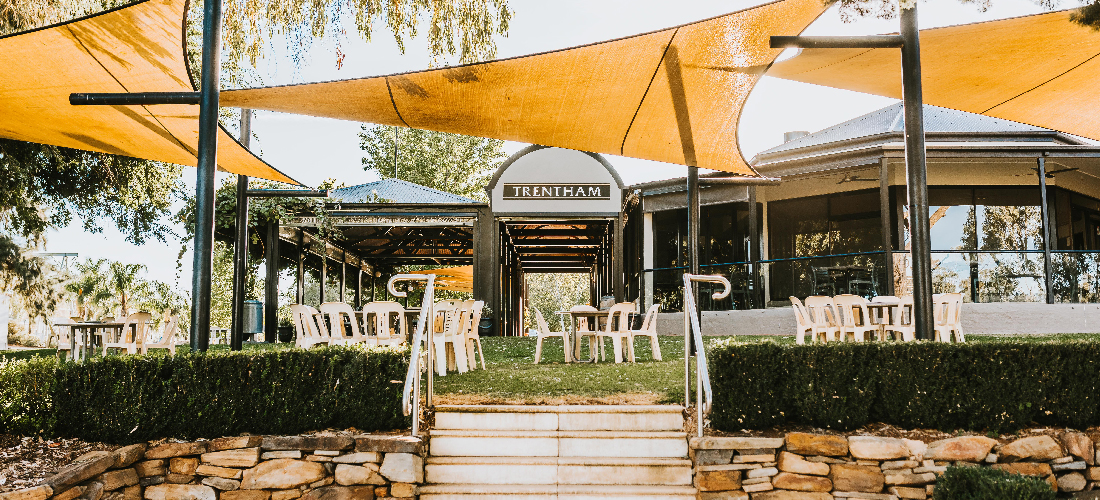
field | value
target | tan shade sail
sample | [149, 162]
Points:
[673, 95]
[456, 279]
[138, 48]
[1040, 70]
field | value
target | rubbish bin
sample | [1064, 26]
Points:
[253, 318]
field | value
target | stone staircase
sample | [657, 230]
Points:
[573, 452]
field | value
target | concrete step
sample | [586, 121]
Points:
[541, 492]
[558, 470]
[486, 443]
[563, 417]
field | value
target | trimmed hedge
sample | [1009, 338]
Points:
[998, 387]
[26, 395]
[126, 399]
[983, 483]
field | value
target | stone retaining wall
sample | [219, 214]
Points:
[802, 466]
[317, 467]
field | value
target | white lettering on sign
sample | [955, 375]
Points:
[557, 191]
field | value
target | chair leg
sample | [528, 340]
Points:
[461, 362]
[655, 346]
[617, 345]
[471, 353]
[538, 350]
[440, 356]
[629, 339]
[480, 352]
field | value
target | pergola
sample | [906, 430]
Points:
[672, 95]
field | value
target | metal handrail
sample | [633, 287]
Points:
[703, 393]
[410, 395]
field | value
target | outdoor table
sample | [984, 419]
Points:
[87, 327]
[884, 313]
[574, 316]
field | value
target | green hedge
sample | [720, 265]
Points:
[983, 483]
[124, 399]
[999, 387]
[26, 395]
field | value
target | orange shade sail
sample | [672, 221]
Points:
[673, 95]
[1041, 70]
[138, 48]
[456, 279]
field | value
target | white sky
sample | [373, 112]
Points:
[313, 149]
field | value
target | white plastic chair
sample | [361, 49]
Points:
[948, 309]
[821, 315]
[853, 317]
[377, 320]
[902, 324]
[335, 312]
[803, 324]
[132, 337]
[544, 332]
[453, 321]
[584, 330]
[618, 332]
[308, 332]
[649, 329]
[167, 338]
[473, 339]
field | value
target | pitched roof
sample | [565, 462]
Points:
[891, 119]
[396, 191]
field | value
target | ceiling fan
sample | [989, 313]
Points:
[853, 178]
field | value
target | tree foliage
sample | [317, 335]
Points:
[550, 293]
[454, 163]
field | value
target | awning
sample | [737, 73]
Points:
[457, 279]
[138, 48]
[673, 95]
[1040, 70]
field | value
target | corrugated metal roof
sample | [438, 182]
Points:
[892, 119]
[396, 191]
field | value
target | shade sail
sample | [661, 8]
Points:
[673, 95]
[1041, 70]
[138, 48]
[456, 279]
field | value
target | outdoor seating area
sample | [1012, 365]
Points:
[384, 323]
[136, 333]
[587, 322]
[849, 317]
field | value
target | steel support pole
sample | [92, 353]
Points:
[204, 183]
[693, 241]
[271, 284]
[1045, 211]
[240, 265]
[300, 270]
[884, 214]
[240, 246]
[756, 298]
[324, 274]
[916, 170]
[359, 286]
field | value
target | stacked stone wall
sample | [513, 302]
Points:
[802, 466]
[316, 467]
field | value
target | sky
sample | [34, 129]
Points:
[312, 150]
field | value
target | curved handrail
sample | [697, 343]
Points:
[704, 395]
[410, 395]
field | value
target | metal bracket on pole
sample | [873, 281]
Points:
[837, 42]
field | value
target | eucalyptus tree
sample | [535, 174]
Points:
[453, 163]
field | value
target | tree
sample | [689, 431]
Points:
[454, 163]
[550, 293]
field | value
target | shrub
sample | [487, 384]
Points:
[999, 387]
[126, 399]
[982, 483]
[26, 390]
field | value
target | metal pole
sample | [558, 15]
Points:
[271, 288]
[1047, 267]
[757, 297]
[240, 263]
[204, 182]
[359, 286]
[324, 273]
[917, 174]
[693, 240]
[884, 214]
[240, 246]
[300, 271]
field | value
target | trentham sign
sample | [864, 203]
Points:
[541, 180]
[557, 191]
